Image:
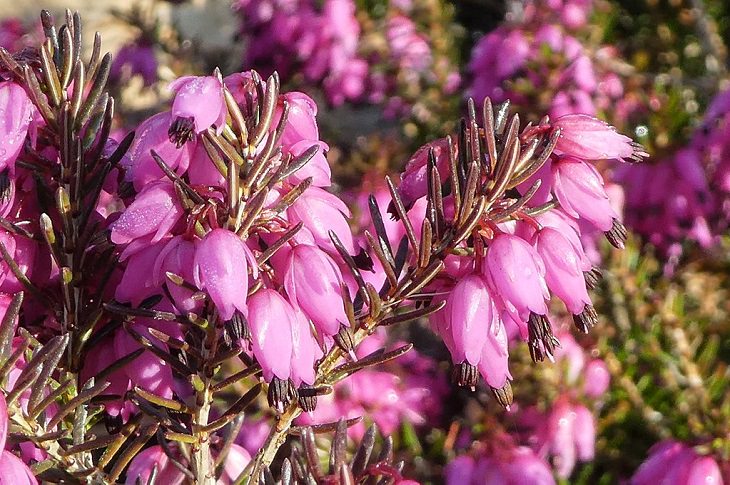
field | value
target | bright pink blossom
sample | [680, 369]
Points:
[16, 111]
[198, 105]
[155, 210]
[220, 267]
[312, 281]
[14, 471]
[589, 138]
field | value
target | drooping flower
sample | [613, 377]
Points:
[589, 138]
[13, 470]
[155, 210]
[198, 105]
[321, 212]
[312, 281]
[220, 267]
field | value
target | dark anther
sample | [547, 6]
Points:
[586, 319]
[617, 234]
[238, 327]
[465, 375]
[281, 394]
[307, 398]
[542, 342]
[181, 130]
[504, 395]
[593, 277]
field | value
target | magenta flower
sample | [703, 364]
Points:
[136, 58]
[674, 462]
[312, 281]
[301, 122]
[564, 274]
[16, 112]
[597, 378]
[151, 134]
[470, 314]
[155, 210]
[153, 457]
[516, 273]
[271, 319]
[13, 470]
[177, 257]
[220, 267]
[414, 179]
[579, 189]
[321, 212]
[589, 138]
[3, 421]
[198, 105]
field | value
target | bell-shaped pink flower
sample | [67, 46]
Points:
[317, 167]
[199, 104]
[471, 314]
[305, 351]
[153, 457]
[137, 281]
[271, 319]
[516, 274]
[312, 281]
[220, 267]
[561, 426]
[414, 179]
[563, 272]
[321, 212]
[584, 433]
[494, 361]
[236, 462]
[177, 257]
[16, 112]
[155, 210]
[14, 471]
[589, 138]
[525, 467]
[656, 467]
[579, 189]
[596, 378]
[152, 135]
[301, 122]
[147, 371]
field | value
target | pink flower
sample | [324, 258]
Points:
[596, 378]
[674, 462]
[282, 342]
[153, 457]
[321, 212]
[584, 433]
[589, 138]
[151, 134]
[301, 122]
[155, 210]
[312, 281]
[414, 179]
[516, 273]
[198, 105]
[13, 470]
[579, 189]
[220, 267]
[236, 462]
[470, 316]
[3, 421]
[16, 112]
[177, 257]
[563, 272]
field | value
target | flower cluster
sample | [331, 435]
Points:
[204, 244]
[546, 65]
[523, 248]
[696, 209]
[566, 430]
[675, 462]
[503, 462]
[321, 40]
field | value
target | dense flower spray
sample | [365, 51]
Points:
[144, 278]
